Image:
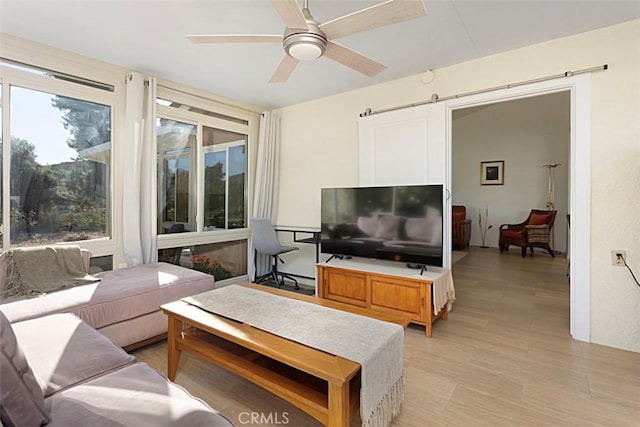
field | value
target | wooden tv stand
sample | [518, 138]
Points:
[382, 286]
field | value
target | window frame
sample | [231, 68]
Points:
[192, 164]
[9, 77]
[219, 148]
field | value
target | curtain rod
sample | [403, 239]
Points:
[226, 104]
[435, 98]
[129, 77]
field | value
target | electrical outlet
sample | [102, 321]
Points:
[618, 258]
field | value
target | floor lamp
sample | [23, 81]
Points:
[551, 173]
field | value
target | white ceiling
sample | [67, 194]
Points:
[148, 36]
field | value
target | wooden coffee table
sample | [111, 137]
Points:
[325, 386]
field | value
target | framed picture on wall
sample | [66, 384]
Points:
[492, 172]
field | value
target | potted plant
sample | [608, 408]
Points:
[202, 263]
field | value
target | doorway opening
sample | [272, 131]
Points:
[520, 138]
[579, 178]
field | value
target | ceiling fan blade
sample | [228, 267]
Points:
[284, 69]
[291, 14]
[353, 59]
[235, 38]
[387, 13]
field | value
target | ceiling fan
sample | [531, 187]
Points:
[305, 38]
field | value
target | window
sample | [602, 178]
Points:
[223, 260]
[202, 186]
[202, 165]
[59, 168]
[224, 179]
[176, 185]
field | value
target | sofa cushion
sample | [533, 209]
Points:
[133, 396]
[64, 351]
[21, 400]
[120, 295]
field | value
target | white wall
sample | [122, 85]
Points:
[525, 134]
[319, 148]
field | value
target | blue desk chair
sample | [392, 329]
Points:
[265, 241]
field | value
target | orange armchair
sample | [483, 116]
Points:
[534, 232]
[461, 227]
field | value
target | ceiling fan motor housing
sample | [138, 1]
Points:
[305, 44]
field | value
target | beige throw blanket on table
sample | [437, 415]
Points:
[38, 270]
[376, 345]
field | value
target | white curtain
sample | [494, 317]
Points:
[148, 194]
[265, 196]
[138, 208]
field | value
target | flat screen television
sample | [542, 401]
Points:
[399, 223]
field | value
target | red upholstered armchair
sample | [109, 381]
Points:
[534, 232]
[461, 227]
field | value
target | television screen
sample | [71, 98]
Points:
[399, 223]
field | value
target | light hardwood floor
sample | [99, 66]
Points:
[504, 357]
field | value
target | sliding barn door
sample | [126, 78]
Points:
[407, 147]
[403, 147]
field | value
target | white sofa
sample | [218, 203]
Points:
[123, 305]
[55, 370]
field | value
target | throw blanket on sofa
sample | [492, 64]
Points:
[376, 345]
[38, 270]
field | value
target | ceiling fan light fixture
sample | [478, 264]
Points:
[304, 46]
[305, 51]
